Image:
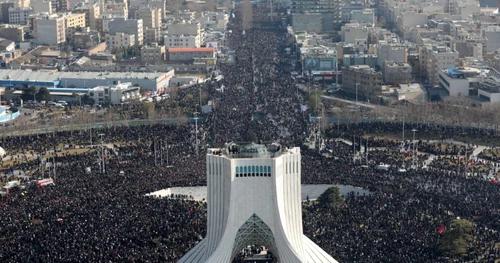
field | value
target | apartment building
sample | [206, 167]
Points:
[330, 12]
[354, 31]
[48, 29]
[153, 53]
[391, 51]
[60, 5]
[214, 20]
[366, 16]
[434, 58]
[73, 23]
[189, 54]
[492, 36]
[151, 16]
[159, 4]
[92, 12]
[348, 8]
[362, 78]
[191, 41]
[19, 15]
[187, 28]
[12, 32]
[4, 7]
[120, 40]
[128, 27]
[43, 6]
[396, 73]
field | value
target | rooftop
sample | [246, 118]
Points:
[27, 75]
[249, 150]
[199, 49]
[466, 72]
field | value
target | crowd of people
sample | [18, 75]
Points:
[97, 213]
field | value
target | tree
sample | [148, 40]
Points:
[455, 241]
[331, 198]
[28, 93]
[148, 109]
[314, 101]
[43, 94]
[87, 100]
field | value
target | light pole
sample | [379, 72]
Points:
[102, 154]
[200, 99]
[403, 129]
[34, 94]
[318, 135]
[196, 131]
[413, 130]
[357, 84]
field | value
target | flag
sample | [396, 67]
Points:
[441, 229]
[495, 181]
[303, 108]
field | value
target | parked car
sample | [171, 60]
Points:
[59, 105]
[62, 102]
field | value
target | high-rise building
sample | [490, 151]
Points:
[4, 7]
[128, 26]
[329, 11]
[60, 5]
[19, 15]
[254, 198]
[151, 16]
[92, 12]
[48, 29]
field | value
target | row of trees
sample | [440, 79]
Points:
[43, 94]
[31, 93]
[126, 53]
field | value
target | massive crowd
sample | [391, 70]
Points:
[106, 217]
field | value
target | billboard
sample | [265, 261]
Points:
[320, 63]
[311, 63]
[211, 44]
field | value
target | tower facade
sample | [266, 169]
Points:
[254, 198]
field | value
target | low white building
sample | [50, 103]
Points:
[191, 41]
[115, 94]
[456, 81]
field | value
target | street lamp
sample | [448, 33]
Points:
[414, 130]
[196, 131]
[357, 84]
[34, 94]
[102, 154]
